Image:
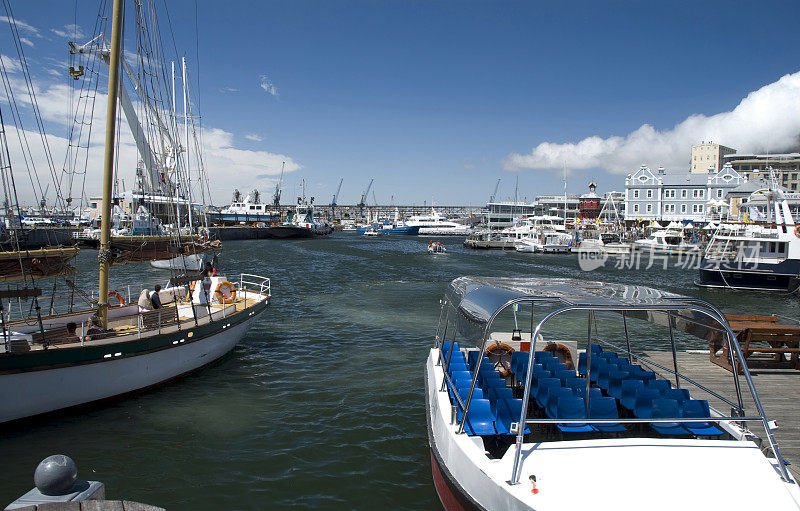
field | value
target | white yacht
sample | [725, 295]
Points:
[513, 425]
[437, 225]
[755, 255]
[666, 242]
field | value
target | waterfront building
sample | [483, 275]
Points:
[555, 205]
[659, 195]
[708, 157]
[502, 214]
[786, 167]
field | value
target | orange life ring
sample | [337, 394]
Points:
[498, 354]
[118, 297]
[228, 297]
[797, 231]
[561, 352]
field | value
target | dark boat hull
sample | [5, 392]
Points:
[294, 231]
[782, 277]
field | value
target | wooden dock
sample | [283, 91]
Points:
[778, 390]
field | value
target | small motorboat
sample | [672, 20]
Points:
[372, 231]
[435, 247]
[523, 420]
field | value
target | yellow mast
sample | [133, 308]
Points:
[108, 161]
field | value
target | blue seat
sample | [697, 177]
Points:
[659, 384]
[540, 356]
[613, 377]
[605, 408]
[446, 347]
[602, 375]
[696, 408]
[679, 395]
[596, 348]
[480, 420]
[495, 394]
[644, 402]
[517, 356]
[543, 386]
[606, 355]
[667, 408]
[538, 374]
[582, 361]
[455, 365]
[508, 411]
[615, 385]
[492, 383]
[553, 365]
[551, 407]
[571, 407]
[463, 393]
[472, 358]
[563, 374]
[577, 385]
[596, 365]
[641, 374]
[628, 391]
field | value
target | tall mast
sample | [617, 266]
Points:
[186, 129]
[104, 255]
[176, 150]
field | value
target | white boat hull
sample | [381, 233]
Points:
[26, 394]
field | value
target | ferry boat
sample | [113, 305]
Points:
[755, 256]
[534, 420]
[666, 242]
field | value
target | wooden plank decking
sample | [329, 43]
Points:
[778, 390]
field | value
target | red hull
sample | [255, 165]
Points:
[451, 497]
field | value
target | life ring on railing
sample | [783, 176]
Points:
[228, 296]
[117, 296]
[797, 231]
[500, 354]
[561, 352]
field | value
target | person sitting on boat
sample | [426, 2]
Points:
[71, 328]
[93, 328]
[155, 299]
[210, 270]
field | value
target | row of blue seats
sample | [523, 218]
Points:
[493, 407]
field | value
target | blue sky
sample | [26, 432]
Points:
[432, 98]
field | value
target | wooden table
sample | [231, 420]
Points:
[758, 334]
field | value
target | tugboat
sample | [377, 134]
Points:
[300, 223]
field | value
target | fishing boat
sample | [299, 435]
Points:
[52, 362]
[666, 242]
[762, 255]
[561, 417]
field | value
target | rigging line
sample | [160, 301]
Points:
[34, 103]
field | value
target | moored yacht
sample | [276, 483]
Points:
[666, 242]
[437, 225]
[755, 255]
[527, 420]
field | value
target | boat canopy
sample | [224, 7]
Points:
[476, 301]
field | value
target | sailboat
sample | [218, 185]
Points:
[51, 362]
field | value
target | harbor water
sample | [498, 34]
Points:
[321, 406]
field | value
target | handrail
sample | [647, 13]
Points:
[264, 284]
[638, 420]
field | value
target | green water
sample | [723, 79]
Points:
[321, 406]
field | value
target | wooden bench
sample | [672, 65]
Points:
[59, 335]
[159, 318]
[758, 334]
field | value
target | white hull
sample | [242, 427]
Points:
[31, 393]
[443, 231]
[191, 262]
[653, 473]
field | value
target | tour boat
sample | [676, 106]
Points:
[568, 415]
[437, 225]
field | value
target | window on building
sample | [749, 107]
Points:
[649, 208]
[635, 208]
[649, 194]
[794, 176]
[719, 193]
[683, 194]
[636, 194]
[683, 208]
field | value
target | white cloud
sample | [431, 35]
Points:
[11, 64]
[767, 120]
[24, 27]
[70, 31]
[226, 90]
[267, 85]
[253, 137]
[227, 166]
[26, 41]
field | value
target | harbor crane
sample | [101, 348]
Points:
[494, 194]
[363, 201]
[335, 197]
[276, 198]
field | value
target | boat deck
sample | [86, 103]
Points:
[778, 389]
